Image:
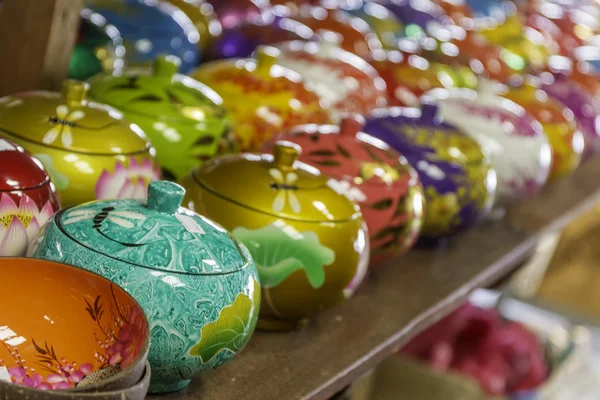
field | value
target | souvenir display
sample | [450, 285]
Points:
[558, 123]
[89, 149]
[150, 29]
[204, 18]
[73, 330]
[357, 37]
[241, 41]
[376, 177]
[408, 76]
[347, 82]
[232, 13]
[263, 98]
[27, 198]
[519, 149]
[99, 47]
[307, 238]
[184, 119]
[458, 182]
[198, 286]
[384, 23]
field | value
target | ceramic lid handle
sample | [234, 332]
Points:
[74, 92]
[165, 196]
[166, 66]
[285, 154]
[351, 125]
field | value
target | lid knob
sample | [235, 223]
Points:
[166, 66]
[165, 196]
[266, 57]
[74, 92]
[351, 125]
[285, 154]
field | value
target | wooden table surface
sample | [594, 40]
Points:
[395, 303]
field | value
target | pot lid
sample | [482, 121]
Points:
[18, 169]
[159, 93]
[158, 234]
[277, 184]
[344, 152]
[68, 121]
[416, 130]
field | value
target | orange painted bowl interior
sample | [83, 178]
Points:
[63, 327]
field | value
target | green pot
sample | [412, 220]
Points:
[184, 119]
[197, 285]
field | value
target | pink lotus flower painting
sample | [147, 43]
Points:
[127, 182]
[20, 223]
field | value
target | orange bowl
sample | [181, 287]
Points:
[65, 328]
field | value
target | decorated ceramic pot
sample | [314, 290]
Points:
[307, 238]
[184, 119]
[357, 36]
[376, 177]
[89, 149]
[415, 15]
[519, 149]
[263, 98]
[458, 182]
[198, 286]
[384, 23]
[204, 18]
[344, 80]
[558, 123]
[99, 47]
[75, 332]
[232, 13]
[241, 41]
[150, 29]
[408, 76]
[585, 108]
[27, 198]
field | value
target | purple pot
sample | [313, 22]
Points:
[458, 182]
[417, 12]
[585, 107]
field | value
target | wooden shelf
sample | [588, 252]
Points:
[395, 303]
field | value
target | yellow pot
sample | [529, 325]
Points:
[204, 18]
[308, 240]
[89, 149]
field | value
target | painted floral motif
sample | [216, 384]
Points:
[127, 182]
[20, 224]
[443, 211]
[345, 188]
[278, 251]
[62, 123]
[385, 172]
[119, 344]
[284, 184]
[232, 329]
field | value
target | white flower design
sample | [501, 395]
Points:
[63, 122]
[345, 188]
[285, 187]
[120, 218]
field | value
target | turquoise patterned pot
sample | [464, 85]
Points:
[197, 285]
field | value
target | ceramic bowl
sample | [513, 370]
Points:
[262, 97]
[135, 392]
[347, 82]
[198, 286]
[99, 47]
[519, 149]
[357, 36]
[150, 29]
[184, 119]
[27, 198]
[204, 18]
[559, 125]
[89, 149]
[457, 179]
[308, 239]
[372, 174]
[74, 330]
[241, 41]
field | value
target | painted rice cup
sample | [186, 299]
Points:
[308, 239]
[456, 174]
[89, 149]
[197, 285]
[27, 198]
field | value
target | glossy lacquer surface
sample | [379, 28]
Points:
[27, 198]
[308, 239]
[72, 330]
[198, 287]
